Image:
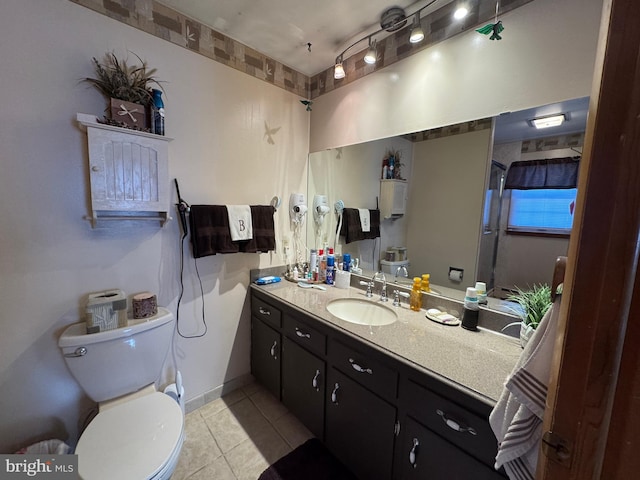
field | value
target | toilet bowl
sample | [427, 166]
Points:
[138, 432]
[136, 439]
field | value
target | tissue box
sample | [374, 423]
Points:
[106, 311]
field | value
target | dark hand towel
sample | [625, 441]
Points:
[210, 234]
[264, 233]
[351, 228]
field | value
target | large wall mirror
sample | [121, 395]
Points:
[457, 212]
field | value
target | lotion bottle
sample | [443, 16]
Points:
[415, 297]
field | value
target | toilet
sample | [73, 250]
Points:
[138, 432]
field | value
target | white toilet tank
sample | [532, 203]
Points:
[120, 361]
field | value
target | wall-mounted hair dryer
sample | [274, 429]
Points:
[297, 208]
[320, 208]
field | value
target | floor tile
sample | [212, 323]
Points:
[238, 436]
[254, 455]
[268, 405]
[221, 403]
[219, 469]
[235, 424]
[199, 448]
[292, 430]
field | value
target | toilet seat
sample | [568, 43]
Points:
[139, 439]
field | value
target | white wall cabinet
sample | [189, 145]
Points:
[129, 173]
[393, 198]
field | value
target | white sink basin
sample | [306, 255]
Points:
[362, 312]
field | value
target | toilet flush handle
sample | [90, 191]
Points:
[79, 352]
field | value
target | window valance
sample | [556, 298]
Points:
[544, 173]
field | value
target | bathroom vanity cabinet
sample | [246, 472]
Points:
[382, 416]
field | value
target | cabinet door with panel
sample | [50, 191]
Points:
[303, 386]
[265, 355]
[360, 427]
[426, 455]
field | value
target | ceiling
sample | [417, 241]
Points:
[282, 29]
[515, 126]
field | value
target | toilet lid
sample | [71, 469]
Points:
[132, 440]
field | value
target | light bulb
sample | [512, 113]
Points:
[416, 35]
[372, 54]
[460, 13]
[338, 71]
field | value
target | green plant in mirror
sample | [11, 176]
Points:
[535, 302]
[117, 79]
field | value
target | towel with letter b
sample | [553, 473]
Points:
[240, 224]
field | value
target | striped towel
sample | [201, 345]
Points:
[516, 419]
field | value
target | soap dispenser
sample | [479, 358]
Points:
[415, 297]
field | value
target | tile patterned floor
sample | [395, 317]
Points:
[238, 436]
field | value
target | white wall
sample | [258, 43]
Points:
[445, 206]
[50, 258]
[352, 174]
[547, 54]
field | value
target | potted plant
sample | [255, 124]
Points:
[128, 88]
[534, 304]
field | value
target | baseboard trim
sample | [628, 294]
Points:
[214, 394]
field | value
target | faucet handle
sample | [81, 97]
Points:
[396, 297]
[369, 285]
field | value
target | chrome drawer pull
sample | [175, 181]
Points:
[264, 312]
[413, 453]
[334, 394]
[273, 349]
[453, 425]
[79, 352]
[314, 382]
[358, 368]
[300, 334]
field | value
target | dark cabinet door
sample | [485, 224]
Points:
[265, 355]
[425, 455]
[303, 386]
[359, 427]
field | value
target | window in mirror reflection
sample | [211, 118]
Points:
[542, 210]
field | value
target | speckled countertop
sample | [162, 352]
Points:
[478, 360]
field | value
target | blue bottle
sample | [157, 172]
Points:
[330, 270]
[157, 120]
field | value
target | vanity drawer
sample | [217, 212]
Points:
[461, 427]
[265, 312]
[367, 371]
[305, 335]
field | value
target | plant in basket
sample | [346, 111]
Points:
[127, 88]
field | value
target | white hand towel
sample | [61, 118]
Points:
[365, 220]
[240, 224]
[516, 419]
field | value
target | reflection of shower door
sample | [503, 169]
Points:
[491, 225]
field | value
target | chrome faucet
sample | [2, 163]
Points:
[383, 291]
[402, 270]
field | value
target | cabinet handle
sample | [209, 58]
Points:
[95, 168]
[301, 334]
[314, 382]
[413, 453]
[396, 428]
[453, 425]
[358, 368]
[334, 394]
[264, 312]
[273, 349]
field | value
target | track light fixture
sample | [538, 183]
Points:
[392, 20]
[416, 35]
[338, 71]
[372, 53]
